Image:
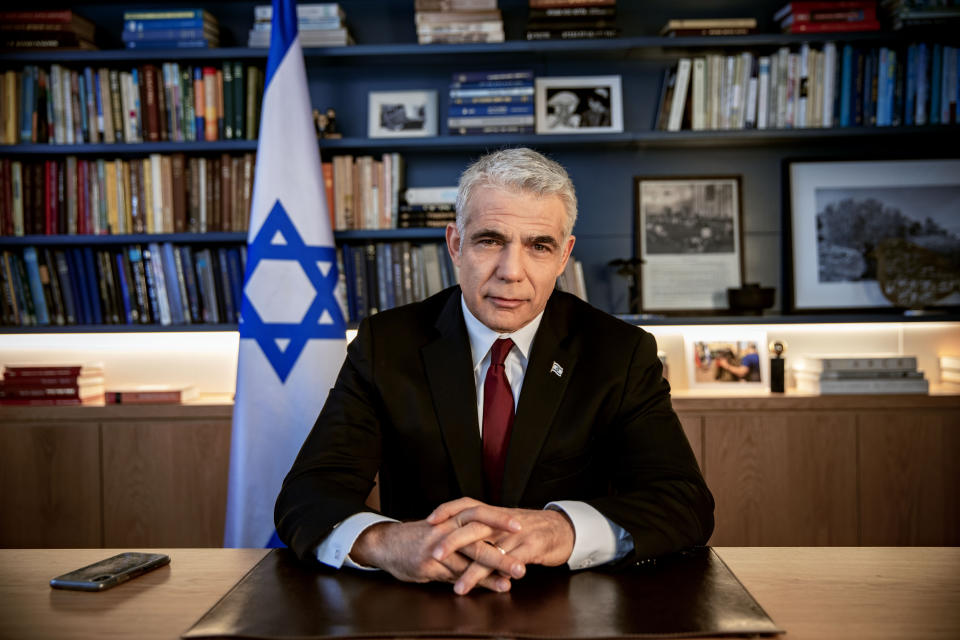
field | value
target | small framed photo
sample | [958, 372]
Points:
[727, 359]
[585, 104]
[866, 233]
[689, 239]
[402, 114]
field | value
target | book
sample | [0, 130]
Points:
[818, 363]
[29, 371]
[707, 23]
[151, 394]
[870, 386]
[679, 95]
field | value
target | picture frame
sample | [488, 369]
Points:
[402, 114]
[689, 239]
[727, 359]
[578, 105]
[841, 216]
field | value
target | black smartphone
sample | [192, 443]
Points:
[102, 575]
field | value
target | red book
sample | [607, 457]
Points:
[832, 27]
[50, 198]
[49, 402]
[81, 196]
[806, 6]
[328, 189]
[51, 381]
[150, 109]
[51, 370]
[151, 394]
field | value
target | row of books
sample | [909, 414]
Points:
[58, 29]
[491, 102]
[841, 374]
[836, 86]
[575, 20]
[923, 14]
[364, 192]
[450, 21]
[149, 103]
[384, 275]
[170, 29]
[162, 193]
[319, 25]
[151, 283]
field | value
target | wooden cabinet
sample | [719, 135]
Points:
[840, 470]
[785, 471]
[117, 476]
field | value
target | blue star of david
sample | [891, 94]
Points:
[266, 333]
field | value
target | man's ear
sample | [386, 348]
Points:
[453, 243]
[567, 251]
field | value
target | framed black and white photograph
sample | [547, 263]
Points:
[873, 235]
[402, 114]
[726, 359]
[586, 104]
[689, 238]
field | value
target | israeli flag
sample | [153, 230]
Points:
[291, 327]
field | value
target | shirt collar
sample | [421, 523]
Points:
[482, 337]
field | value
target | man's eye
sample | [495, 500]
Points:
[541, 247]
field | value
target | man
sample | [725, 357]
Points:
[473, 436]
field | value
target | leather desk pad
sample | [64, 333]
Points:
[686, 595]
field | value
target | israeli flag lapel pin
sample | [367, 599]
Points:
[556, 370]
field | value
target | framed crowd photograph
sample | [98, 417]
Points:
[864, 234]
[402, 114]
[585, 104]
[723, 359]
[689, 239]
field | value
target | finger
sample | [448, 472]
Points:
[459, 564]
[497, 558]
[480, 574]
[496, 517]
[450, 509]
[459, 538]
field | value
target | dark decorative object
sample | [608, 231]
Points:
[777, 366]
[331, 130]
[913, 277]
[629, 268]
[750, 299]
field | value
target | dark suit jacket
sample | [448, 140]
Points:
[405, 405]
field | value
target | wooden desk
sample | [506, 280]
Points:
[813, 593]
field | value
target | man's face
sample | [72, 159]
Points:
[510, 255]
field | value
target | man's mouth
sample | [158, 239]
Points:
[505, 303]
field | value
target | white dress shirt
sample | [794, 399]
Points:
[597, 540]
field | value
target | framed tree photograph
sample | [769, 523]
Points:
[873, 234]
[402, 114]
[586, 104]
[722, 359]
[689, 239]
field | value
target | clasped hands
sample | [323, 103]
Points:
[468, 543]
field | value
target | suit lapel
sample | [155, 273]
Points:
[543, 388]
[449, 369]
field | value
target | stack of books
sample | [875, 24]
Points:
[457, 21]
[950, 373]
[491, 102]
[170, 29]
[709, 27]
[433, 207]
[52, 385]
[828, 17]
[571, 20]
[61, 29]
[923, 14]
[319, 25]
[841, 374]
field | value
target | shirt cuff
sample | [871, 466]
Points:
[334, 551]
[597, 540]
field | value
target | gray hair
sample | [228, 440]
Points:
[518, 170]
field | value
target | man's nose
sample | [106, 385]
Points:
[510, 264]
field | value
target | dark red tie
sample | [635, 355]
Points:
[497, 418]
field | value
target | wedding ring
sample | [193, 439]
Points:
[502, 551]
